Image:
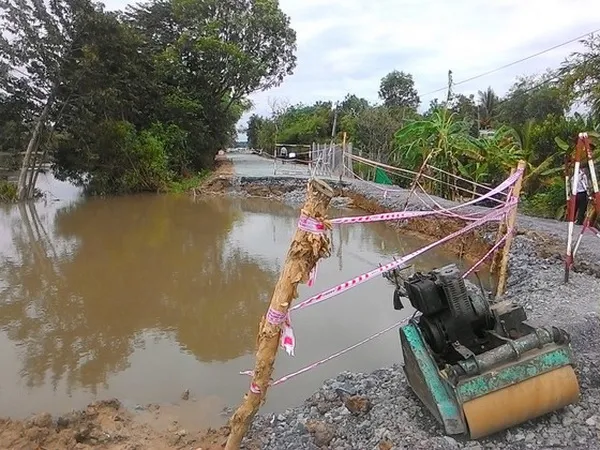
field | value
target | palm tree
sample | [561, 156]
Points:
[488, 107]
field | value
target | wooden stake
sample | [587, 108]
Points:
[304, 252]
[516, 192]
[502, 227]
[343, 172]
[417, 179]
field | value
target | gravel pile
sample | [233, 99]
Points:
[389, 416]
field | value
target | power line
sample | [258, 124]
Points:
[514, 62]
[532, 88]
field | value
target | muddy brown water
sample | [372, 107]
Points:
[142, 297]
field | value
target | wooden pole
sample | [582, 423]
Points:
[305, 250]
[343, 172]
[502, 227]
[417, 179]
[516, 192]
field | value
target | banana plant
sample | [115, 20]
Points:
[593, 134]
[440, 140]
[534, 170]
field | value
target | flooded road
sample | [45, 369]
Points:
[142, 297]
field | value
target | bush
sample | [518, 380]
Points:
[188, 183]
[127, 161]
[548, 202]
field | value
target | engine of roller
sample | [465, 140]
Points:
[479, 367]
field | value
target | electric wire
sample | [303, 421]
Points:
[513, 63]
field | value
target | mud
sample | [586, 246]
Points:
[102, 425]
[471, 245]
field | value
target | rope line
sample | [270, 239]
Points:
[397, 170]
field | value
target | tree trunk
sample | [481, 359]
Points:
[22, 191]
[304, 252]
[31, 176]
[37, 171]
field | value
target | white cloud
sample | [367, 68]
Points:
[349, 45]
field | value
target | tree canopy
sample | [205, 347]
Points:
[133, 100]
[397, 89]
[129, 101]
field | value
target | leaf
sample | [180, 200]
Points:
[552, 171]
[594, 134]
[561, 144]
[463, 170]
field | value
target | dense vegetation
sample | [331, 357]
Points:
[132, 101]
[480, 139]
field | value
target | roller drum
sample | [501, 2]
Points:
[521, 402]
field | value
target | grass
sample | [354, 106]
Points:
[187, 184]
[8, 191]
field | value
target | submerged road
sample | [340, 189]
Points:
[250, 165]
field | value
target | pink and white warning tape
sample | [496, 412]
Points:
[278, 318]
[309, 224]
[488, 254]
[288, 341]
[312, 225]
[314, 365]
[401, 215]
[343, 287]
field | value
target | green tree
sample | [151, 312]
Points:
[397, 90]
[580, 75]
[242, 46]
[160, 87]
[353, 105]
[112, 94]
[466, 110]
[374, 132]
[301, 124]
[36, 40]
[488, 108]
[443, 141]
[255, 123]
[532, 98]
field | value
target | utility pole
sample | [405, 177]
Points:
[333, 129]
[450, 84]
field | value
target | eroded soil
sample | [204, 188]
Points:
[103, 425]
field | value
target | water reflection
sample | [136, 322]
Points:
[78, 312]
[141, 297]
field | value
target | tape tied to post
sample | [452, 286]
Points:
[311, 225]
[288, 340]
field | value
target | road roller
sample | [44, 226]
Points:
[477, 365]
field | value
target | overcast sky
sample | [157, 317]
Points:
[347, 46]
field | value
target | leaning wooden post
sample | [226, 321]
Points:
[417, 179]
[305, 250]
[502, 227]
[510, 225]
[343, 172]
